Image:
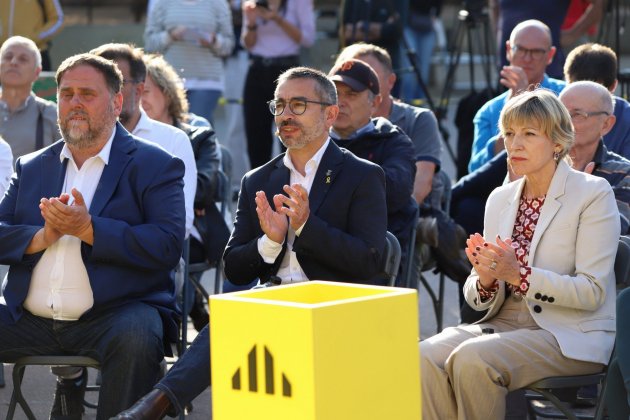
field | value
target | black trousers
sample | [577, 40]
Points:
[260, 85]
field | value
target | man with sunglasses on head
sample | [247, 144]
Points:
[316, 212]
[529, 51]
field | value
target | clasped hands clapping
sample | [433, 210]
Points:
[292, 209]
[62, 217]
[493, 261]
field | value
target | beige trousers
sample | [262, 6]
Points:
[466, 375]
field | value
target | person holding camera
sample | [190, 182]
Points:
[273, 32]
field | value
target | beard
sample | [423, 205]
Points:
[306, 136]
[76, 133]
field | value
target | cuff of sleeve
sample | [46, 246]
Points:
[268, 249]
[487, 294]
[524, 272]
[297, 232]
[166, 38]
[218, 42]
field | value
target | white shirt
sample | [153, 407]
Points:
[290, 270]
[60, 287]
[176, 142]
[6, 166]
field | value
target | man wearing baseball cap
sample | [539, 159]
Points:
[376, 140]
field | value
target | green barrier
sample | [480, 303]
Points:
[45, 86]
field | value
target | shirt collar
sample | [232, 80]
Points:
[313, 162]
[103, 154]
[600, 153]
[144, 123]
[367, 128]
[28, 100]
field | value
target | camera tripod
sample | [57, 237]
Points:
[476, 27]
[415, 69]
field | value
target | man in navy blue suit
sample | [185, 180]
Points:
[91, 228]
[314, 213]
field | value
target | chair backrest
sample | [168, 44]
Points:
[544, 386]
[391, 258]
[226, 179]
[622, 263]
[407, 277]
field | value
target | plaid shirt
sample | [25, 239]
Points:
[616, 170]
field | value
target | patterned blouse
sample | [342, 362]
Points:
[524, 227]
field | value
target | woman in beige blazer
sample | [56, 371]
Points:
[543, 269]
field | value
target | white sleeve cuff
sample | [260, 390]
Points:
[297, 232]
[268, 249]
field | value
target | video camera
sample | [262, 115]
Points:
[474, 7]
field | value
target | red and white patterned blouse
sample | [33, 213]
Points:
[524, 227]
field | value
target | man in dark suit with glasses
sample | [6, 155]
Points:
[316, 212]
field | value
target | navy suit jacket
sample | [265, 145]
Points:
[344, 236]
[138, 219]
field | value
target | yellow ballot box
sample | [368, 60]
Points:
[315, 350]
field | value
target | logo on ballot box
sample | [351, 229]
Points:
[254, 382]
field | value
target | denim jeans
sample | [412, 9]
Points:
[190, 376]
[203, 102]
[422, 43]
[127, 342]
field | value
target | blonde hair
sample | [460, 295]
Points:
[170, 84]
[543, 109]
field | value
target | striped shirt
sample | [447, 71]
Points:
[191, 60]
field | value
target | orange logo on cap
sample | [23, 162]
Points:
[347, 65]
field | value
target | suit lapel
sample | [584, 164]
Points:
[328, 169]
[122, 145]
[507, 217]
[53, 173]
[278, 178]
[551, 206]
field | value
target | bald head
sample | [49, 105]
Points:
[531, 28]
[530, 49]
[591, 107]
[589, 95]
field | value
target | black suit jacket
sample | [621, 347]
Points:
[344, 236]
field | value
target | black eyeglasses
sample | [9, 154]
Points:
[520, 52]
[579, 116]
[296, 105]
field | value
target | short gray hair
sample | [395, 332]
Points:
[25, 42]
[324, 87]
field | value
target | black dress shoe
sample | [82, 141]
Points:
[68, 404]
[153, 406]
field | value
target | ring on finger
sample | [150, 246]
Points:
[493, 265]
